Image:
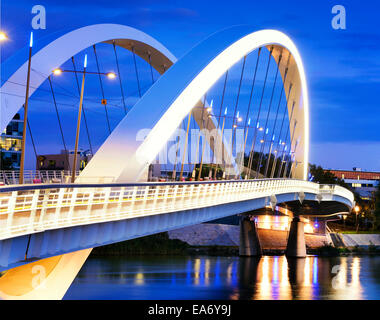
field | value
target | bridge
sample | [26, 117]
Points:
[52, 226]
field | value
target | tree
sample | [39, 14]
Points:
[377, 207]
[322, 176]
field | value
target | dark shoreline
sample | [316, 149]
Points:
[160, 244]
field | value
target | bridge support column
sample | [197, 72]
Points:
[296, 246]
[249, 239]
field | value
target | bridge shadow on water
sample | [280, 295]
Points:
[204, 277]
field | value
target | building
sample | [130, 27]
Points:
[363, 182]
[10, 144]
[63, 160]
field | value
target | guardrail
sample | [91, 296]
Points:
[11, 177]
[27, 209]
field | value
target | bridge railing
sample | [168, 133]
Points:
[33, 208]
[336, 190]
[11, 177]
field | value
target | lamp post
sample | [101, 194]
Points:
[59, 71]
[357, 209]
[22, 160]
[3, 37]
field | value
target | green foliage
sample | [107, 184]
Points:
[377, 207]
[322, 176]
[155, 244]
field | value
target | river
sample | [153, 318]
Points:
[206, 277]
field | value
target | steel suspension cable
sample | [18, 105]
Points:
[151, 68]
[59, 122]
[291, 143]
[278, 144]
[250, 101]
[275, 121]
[266, 129]
[136, 71]
[118, 73]
[250, 161]
[83, 109]
[102, 89]
[234, 120]
[219, 116]
[286, 135]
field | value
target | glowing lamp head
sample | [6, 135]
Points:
[111, 75]
[235, 126]
[3, 36]
[262, 141]
[357, 209]
[209, 109]
[57, 72]
[31, 40]
[85, 61]
[225, 112]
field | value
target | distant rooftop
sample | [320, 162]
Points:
[356, 174]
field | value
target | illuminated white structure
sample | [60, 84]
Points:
[145, 208]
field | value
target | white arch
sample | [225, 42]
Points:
[60, 50]
[179, 89]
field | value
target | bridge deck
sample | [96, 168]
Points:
[29, 209]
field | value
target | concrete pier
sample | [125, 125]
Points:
[249, 239]
[296, 246]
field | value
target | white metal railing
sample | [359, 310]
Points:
[11, 177]
[27, 209]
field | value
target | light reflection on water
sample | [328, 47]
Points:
[205, 277]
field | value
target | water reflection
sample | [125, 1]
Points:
[228, 278]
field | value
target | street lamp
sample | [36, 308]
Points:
[22, 160]
[57, 72]
[357, 209]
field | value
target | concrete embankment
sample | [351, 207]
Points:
[360, 240]
[208, 234]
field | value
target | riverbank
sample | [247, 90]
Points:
[161, 244]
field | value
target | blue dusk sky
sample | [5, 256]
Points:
[342, 66]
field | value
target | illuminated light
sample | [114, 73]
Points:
[261, 129]
[267, 131]
[111, 75]
[258, 125]
[249, 121]
[209, 109]
[240, 119]
[235, 126]
[31, 40]
[139, 279]
[315, 270]
[308, 228]
[357, 209]
[283, 143]
[307, 272]
[225, 112]
[85, 61]
[57, 71]
[273, 137]
[275, 270]
[3, 36]
[261, 141]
